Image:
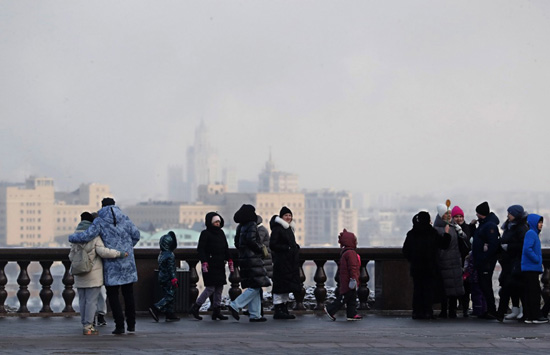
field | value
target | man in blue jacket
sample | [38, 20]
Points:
[485, 247]
[117, 232]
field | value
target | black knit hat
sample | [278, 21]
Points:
[86, 216]
[284, 211]
[483, 209]
[107, 201]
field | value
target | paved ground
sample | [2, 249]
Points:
[309, 333]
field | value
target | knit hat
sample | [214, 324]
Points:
[284, 211]
[107, 201]
[457, 211]
[86, 216]
[216, 218]
[441, 209]
[516, 210]
[483, 209]
[423, 217]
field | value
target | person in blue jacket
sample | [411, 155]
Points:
[531, 268]
[117, 232]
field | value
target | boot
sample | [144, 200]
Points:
[514, 314]
[171, 317]
[285, 310]
[217, 314]
[280, 312]
[195, 311]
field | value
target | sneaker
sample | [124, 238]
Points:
[90, 331]
[355, 317]
[234, 312]
[131, 329]
[261, 319]
[101, 320]
[154, 313]
[171, 317]
[332, 318]
[540, 320]
[527, 321]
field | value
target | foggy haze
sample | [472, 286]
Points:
[404, 96]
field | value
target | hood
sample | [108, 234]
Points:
[347, 239]
[439, 222]
[245, 214]
[421, 221]
[533, 221]
[259, 220]
[111, 214]
[490, 218]
[83, 225]
[168, 242]
[276, 220]
[208, 220]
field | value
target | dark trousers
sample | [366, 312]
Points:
[465, 300]
[486, 284]
[509, 291]
[129, 305]
[531, 307]
[423, 296]
[449, 303]
[166, 303]
[349, 299]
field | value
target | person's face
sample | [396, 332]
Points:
[510, 217]
[479, 216]
[287, 217]
[459, 219]
[216, 223]
[447, 216]
[540, 225]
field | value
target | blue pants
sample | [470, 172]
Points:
[251, 297]
[87, 301]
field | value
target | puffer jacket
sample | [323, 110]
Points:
[167, 260]
[449, 261]
[510, 258]
[264, 236]
[214, 250]
[286, 256]
[96, 251]
[119, 233]
[487, 233]
[348, 265]
[531, 259]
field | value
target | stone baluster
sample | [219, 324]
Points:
[299, 296]
[3, 282]
[320, 278]
[235, 280]
[363, 291]
[23, 280]
[68, 292]
[193, 279]
[545, 279]
[46, 280]
[337, 279]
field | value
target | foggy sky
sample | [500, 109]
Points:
[366, 96]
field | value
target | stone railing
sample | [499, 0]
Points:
[393, 286]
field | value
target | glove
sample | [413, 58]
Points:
[504, 246]
[231, 266]
[204, 267]
[122, 254]
[174, 282]
[352, 284]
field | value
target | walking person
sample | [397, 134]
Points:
[286, 262]
[531, 268]
[117, 232]
[253, 274]
[213, 253]
[167, 279]
[89, 284]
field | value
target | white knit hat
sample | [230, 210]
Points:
[441, 210]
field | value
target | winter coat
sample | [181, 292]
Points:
[96, 251]
[348, 265]
[264, 236]
[117, 232]
[420, 249]
[214, 250]
[286, 256]
[167, 260]
[449, 261]
[510, 258]
[247, 241]
[531, 259]
[487, 233]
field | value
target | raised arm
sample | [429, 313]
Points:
[84, 237]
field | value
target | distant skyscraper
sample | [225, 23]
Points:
[272, 180]
[176, 187]
[202, 163]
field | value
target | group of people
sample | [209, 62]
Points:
[451, 261]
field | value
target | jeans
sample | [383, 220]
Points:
[102, 301]
[87, 300]
[252, 298]
[129, 305]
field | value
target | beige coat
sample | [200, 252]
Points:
[96, 250]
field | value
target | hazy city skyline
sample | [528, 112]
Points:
[422, 96]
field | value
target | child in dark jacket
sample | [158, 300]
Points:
[167, 278]
[348, 270]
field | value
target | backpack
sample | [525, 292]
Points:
[80, 260]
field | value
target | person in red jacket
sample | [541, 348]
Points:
[349, 278]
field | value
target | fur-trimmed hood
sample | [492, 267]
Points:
[278, 220]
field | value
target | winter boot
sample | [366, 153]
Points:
[280, 312]
[154, 312]
[285, 310]
[513, 315]
[101, 320]
[217, 314]
[171, 317]
[195, 311]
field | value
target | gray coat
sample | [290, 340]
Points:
[264, 236]
[449, 262]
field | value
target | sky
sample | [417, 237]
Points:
[367, 96]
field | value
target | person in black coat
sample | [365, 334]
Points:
[213, 253]
[251, 265]
[286, 262]
[420, 249]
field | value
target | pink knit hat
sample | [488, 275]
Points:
[457, 211]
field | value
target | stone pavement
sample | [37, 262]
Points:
[309, 333]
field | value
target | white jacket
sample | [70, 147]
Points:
[96, 250]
